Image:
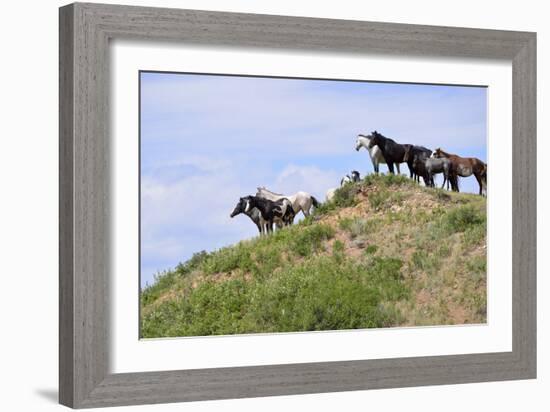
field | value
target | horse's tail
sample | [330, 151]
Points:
[314, 201]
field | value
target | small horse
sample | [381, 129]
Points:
[419, 169]
[254, 215]
[279, 211]
[355, 177]
[375, 153]
[465, 166]
[301, 201]
[411, 151]
[393, 152]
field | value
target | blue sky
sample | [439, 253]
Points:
[208, 140]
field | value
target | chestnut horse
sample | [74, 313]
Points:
[466, 166]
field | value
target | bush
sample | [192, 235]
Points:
[463, 218]
[228, 259]
[371, 249]
[345, 195]
[310, 239]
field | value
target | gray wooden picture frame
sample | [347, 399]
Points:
[85, 31]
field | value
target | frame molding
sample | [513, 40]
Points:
[84, 33]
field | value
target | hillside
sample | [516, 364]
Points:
[385, 252]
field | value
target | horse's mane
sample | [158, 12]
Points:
[267, 190]
[444, 152]
[375, 133]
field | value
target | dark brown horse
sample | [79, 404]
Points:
[466, 166]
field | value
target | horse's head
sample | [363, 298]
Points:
[361, 141]
[355, 176]
[437, 153]
[375, 139]
[239, 208]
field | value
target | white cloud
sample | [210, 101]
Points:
[309, 179]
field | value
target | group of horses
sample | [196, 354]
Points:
[267, 209]
[423, 162]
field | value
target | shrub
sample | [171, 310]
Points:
[228, 259]
[345, 195]
[371, 249]
[463, 218]
[310, 239]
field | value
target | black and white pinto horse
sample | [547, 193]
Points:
[355, 177]
[301, 201]
[253, 213]
[279, 212]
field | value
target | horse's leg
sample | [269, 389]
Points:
[455, 180]
[390, 168]
[375, 164]
[398, 171]
[411, 173]
[478, 178]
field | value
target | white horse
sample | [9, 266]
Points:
[375, 153]
[330, 194]
[300, 201]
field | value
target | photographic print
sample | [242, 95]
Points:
[271, 205]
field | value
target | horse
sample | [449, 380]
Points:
[301, 201]
[355, 177]
[330, 194]
[253, 213]
[419, 170]
[465, 167]
[411, 151]
[279, 211]
[375, 153]
[393, 152]
[435, 166]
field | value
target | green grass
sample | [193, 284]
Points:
[325, 293]
[357, 227]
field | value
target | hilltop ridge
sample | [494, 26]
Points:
[383, 252]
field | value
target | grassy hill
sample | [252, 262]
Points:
[385, 252]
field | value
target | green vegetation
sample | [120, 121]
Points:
[320, 294]
[384, 252]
